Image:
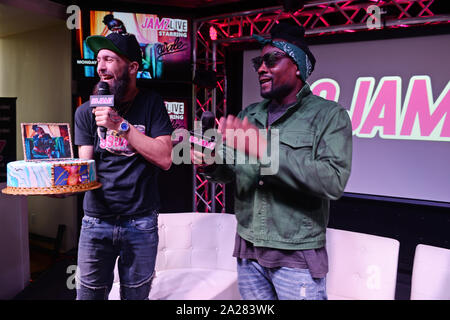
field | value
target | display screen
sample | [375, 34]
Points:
[165, 43]
[178, 112]
[397, 94]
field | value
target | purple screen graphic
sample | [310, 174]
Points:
[397, 94]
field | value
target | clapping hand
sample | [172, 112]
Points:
[243, 136]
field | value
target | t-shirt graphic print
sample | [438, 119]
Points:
[117, 144]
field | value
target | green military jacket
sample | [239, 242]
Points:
[289, 208]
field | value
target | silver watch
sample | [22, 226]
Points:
[124, 127]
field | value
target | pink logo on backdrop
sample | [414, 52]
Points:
[379, 109]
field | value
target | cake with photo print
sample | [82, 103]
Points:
[49, 166]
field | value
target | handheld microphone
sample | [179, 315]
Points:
[103, 88]
[208, 120]
[103, 99]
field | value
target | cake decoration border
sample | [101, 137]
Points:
[52, 190]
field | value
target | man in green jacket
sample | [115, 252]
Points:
[283, 212]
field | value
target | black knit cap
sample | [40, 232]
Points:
[295, 34]
[122, 43]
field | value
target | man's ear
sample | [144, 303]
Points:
[133, 67]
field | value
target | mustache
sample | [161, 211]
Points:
[118, 87]
[264, 78]
[106, 73]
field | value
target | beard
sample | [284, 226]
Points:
[119, 89]
[276, 93]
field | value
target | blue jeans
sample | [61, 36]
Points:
[133, 240]
[260, 283]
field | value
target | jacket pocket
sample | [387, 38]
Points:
[297, 139]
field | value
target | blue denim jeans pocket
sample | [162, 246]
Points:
[147, 223]
[88, 222]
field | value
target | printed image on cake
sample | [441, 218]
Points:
[49, 166]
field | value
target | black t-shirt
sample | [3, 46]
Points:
[129, 182]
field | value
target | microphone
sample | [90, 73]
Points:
[208, 120]
[103, 99]
[103, 88]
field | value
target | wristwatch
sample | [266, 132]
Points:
[124, 127]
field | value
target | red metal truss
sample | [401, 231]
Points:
[325, 17]
[208, 197]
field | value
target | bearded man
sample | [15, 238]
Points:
[121, 218]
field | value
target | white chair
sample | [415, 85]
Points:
[361, 266]
[431, 273]
[194, 260]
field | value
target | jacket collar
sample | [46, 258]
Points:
[260, 114]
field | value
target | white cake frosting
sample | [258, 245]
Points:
[53, 174]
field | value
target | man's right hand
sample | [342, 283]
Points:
[231, 127]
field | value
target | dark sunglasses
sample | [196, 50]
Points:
[270, 59]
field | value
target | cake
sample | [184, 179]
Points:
[50, 176]
[49, 166]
